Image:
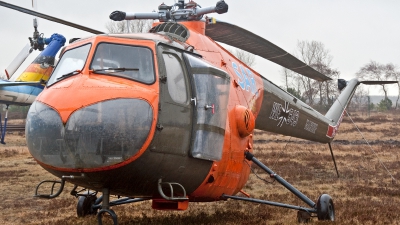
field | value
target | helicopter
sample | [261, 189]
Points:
[168, 116]
[24, 89]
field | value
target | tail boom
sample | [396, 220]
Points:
[284, 114]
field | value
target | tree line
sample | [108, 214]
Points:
[321, 95]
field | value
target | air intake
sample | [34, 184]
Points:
[174, 30]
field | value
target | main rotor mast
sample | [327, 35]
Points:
[180, 11]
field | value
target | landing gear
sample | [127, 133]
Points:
[106, 208]
[323, 209]
[85, 205]
[89, 204]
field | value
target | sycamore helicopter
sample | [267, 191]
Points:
[168, 116]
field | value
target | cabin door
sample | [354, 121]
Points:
[174, 125]
[210, 94]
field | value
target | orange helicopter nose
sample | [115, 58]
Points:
[96, 135]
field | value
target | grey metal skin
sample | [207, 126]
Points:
[139, 178]
[311, 125]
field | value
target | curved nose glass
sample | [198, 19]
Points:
[99, 135]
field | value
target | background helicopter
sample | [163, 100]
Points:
[25, 88]
[204, 123]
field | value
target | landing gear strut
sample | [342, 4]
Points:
[324, 209]
[106, 208]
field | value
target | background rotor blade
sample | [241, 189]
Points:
[34, 7]
[18, 60]
[372, 82]
[51, 18]
[18, 83]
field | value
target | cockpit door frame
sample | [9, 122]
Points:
[174, 124]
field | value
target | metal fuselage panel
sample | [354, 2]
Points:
[19, 95]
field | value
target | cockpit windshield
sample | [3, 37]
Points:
[126, 61]
[71, 61]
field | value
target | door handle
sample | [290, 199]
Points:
[206, 107]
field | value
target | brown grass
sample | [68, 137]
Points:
[364, 193]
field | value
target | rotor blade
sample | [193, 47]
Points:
[240, 38]
[19, 83]
[372, 82]
[333, 158]
[18, 60]
[51, 18]
[34, 5]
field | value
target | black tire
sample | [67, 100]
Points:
[325, 208]
[84, 206]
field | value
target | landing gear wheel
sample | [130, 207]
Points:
[84, 206]
[325, 208]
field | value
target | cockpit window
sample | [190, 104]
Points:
[125, 61]
[70, 62]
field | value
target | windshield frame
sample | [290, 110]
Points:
[56, 80]
[114, 74]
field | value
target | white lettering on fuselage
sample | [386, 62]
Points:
[311, 126]
[246, 78]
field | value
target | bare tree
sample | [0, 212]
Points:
[376, 71]
[360, 98]
[317, 56]
[129, 26]
[246, 57]
[394, 73]
[288, 78]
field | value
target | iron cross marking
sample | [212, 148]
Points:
[284, 114]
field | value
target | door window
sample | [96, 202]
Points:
[175, 78]
[211, 90]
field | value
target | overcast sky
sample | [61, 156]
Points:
[355, 32]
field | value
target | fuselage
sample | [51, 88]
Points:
[169, 116]
[124, 111]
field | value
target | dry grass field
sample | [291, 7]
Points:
[365, 193]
